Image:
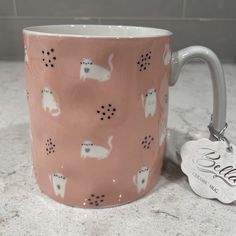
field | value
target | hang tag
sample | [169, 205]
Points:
[210, 168]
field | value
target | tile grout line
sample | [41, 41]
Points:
[99, 19]
[184, 9]
[14, 7]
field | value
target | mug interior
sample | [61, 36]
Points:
[97, 31]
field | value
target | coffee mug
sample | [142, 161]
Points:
[98, 101]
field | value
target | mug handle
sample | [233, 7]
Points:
[182, 56]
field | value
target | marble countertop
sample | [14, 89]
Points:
[170, 209]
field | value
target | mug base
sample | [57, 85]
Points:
[144, 194]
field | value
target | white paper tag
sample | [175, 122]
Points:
[211, 170]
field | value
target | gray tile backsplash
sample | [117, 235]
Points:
[210, 23]
[6, 8]
[217, 35]
[100, 8]
[211, 8]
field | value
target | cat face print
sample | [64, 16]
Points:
[89, 70]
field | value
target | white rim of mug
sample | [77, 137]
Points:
[34, 30]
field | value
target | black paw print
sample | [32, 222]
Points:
[49, 57]
[96, 200]
[147, 141]
[144, 61]
[50, 146]
[106, 112]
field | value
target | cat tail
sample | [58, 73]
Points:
[110, 62]
[109, 142]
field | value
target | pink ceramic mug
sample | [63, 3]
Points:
[98, 99]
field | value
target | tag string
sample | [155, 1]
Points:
[219, 135]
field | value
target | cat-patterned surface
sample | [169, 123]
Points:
[49, 57]
[144, 61]
[147, 141]
[167, 55]
[26, 59]
[106, 112]
[50, 147]
[141, 178]
[166, 99]
[95, 200]
[91, 150]
[58, 183]
[163, 135]
[86, 93]
[89, 70]
[149, 102]
[49, 102]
